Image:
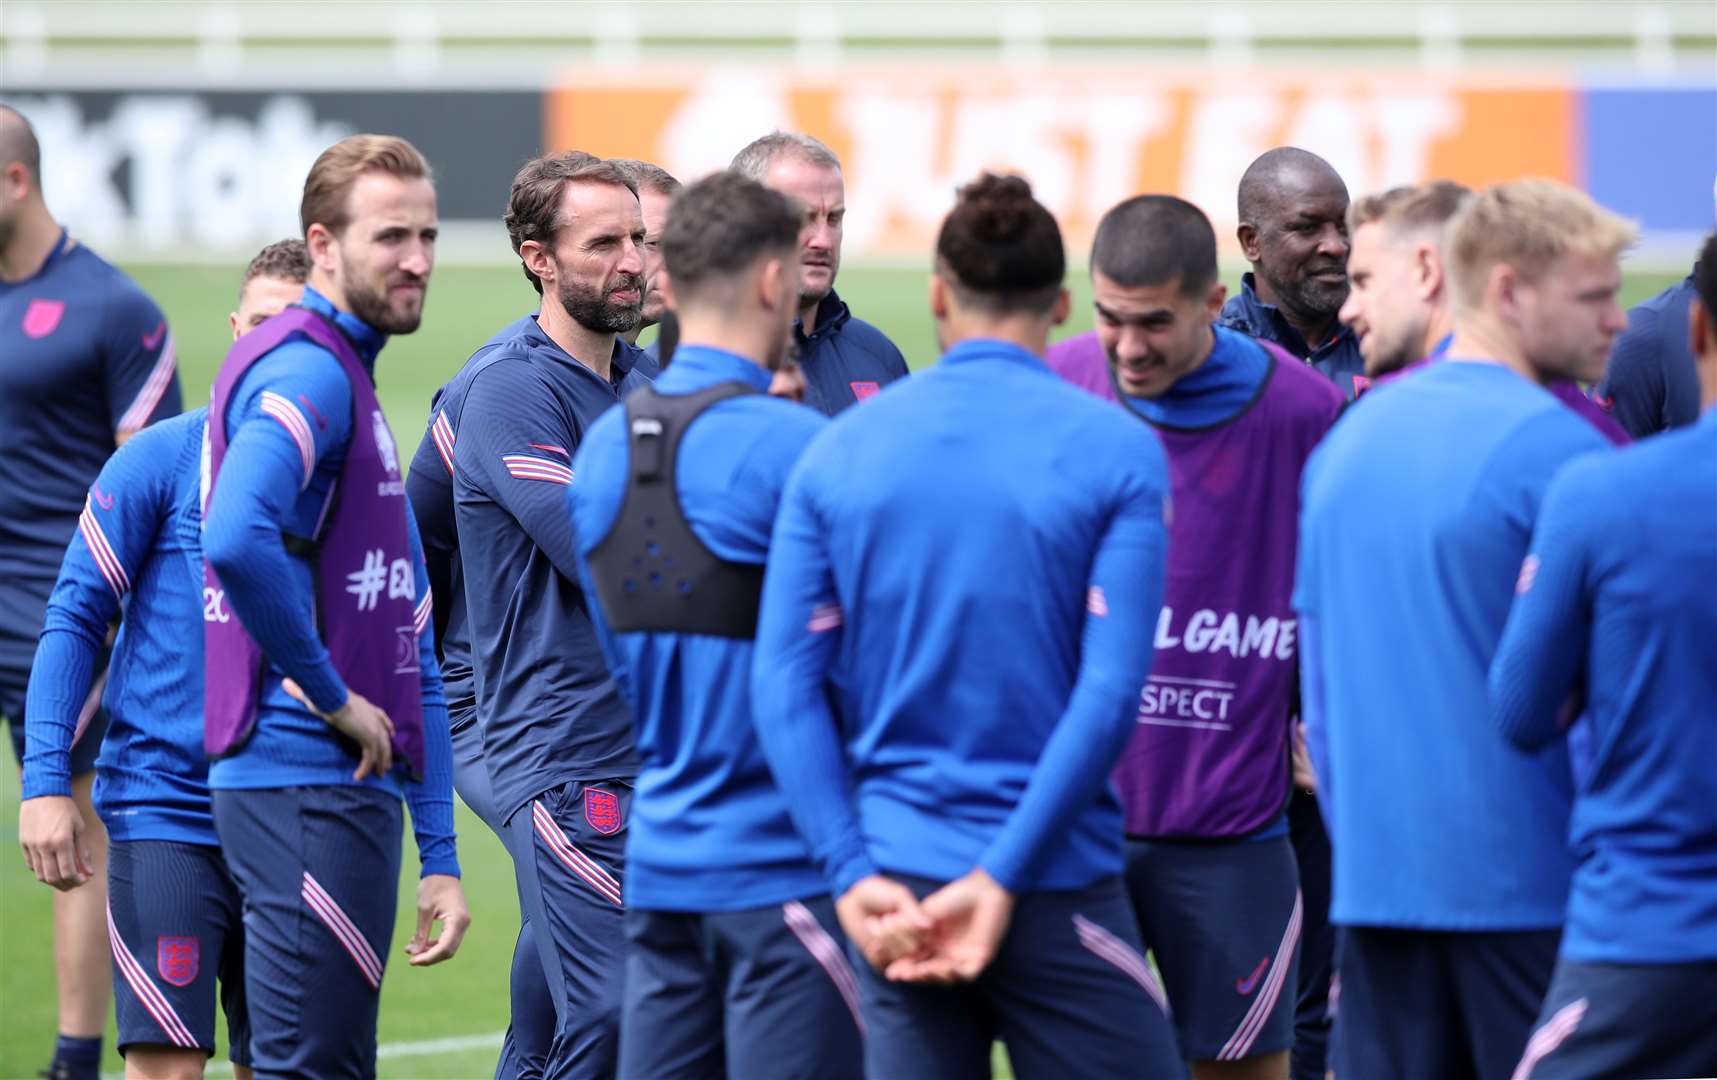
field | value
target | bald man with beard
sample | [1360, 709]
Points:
[1293, 230]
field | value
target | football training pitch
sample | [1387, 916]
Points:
[443, 1021]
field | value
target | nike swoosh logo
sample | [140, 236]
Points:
[104, 501]
[153, 338]
[1249, 983]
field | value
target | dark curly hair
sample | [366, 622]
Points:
[999, 249]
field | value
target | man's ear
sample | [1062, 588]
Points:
[232, 323]
[320, 243]
[1701, 332]
[537, 259]
[1502, 291]
[769, 290]
[1214, 299]
[1247, 234]
[665, 288]
[1063, 307]
[938, 297]
[1428, 276]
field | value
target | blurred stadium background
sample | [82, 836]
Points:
[176, 136]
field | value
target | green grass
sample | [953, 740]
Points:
[467, 996]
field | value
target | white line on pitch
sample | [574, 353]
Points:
[420, 1048]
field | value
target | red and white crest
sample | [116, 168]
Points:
[177, 959]
[866, 390]
[42, 317]
[602, 810]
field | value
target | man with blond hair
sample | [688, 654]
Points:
[323, 702]
[1451, 870]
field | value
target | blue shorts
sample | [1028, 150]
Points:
[1427, 1005]
[1317, 937]
[569, 847]
[13, 685]
[319, 871]
[1223, 922]
[530, 1028]
[764, 993]
[175, 926]
[1625, 1020]
[1069, 993]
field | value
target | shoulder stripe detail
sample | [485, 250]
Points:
[1240, 1043]
[826, 953]
[826, 617]
[1108, 947]
[531, 467]
[147, 992]
[154, 388]
[552, 448]
[296, 426]
[424, 607]
[112, 570]
[442, 432]
[343, 929]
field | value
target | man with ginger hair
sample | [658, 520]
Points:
[1451, 871]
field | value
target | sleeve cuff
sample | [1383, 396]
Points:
[326, 689]
[851, 872]
[447, 867]
[40, 783]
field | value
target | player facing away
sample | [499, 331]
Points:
[1204, 781]
[315, 606]
[1293, 230]
[1616, 608]
[1451, 868]
[88, 362]
[735, 962]
[1398, 304]
[136, 559]
[957, 798]
[844, 359]
[557, 739]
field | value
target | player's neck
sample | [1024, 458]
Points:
[34, 237]
[1441, 325]
[592, 348]
[808, 316]
[729, 335]
[1029, 332]
[1478, 338]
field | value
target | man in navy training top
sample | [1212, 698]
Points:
[89, 361]
[1293, 230]
[1616, 605]
[1398, 304]
[735, 962]
[308, 818]
[1451, 870]
[1650, 384]
[957, 799]
[137, 552]
[557, 739]
[1204, 781]
[844, 359]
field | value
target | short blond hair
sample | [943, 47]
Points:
[1409, 208]
[328, 188]
[1526, 224]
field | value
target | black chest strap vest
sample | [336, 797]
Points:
[652, 573]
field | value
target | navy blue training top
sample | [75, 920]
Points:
[1338, 358]
[845, 359]
[1651, 384]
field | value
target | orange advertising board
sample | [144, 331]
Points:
[1087, 137]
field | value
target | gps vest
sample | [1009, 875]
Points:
[652, 573]
[361, 563]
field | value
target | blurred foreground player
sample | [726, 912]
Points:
[845, 360]
[735, 963]
[88, 362]
[1617, 606]
[1451, 868]
[1204, 781]
[1399, 301]
[557, 739]
[956, 798]
[136, 557]
[316, 603]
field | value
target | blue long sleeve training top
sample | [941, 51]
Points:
[709, 829]
[550, 713]
[957, 617]
[270, 482]
[1618, 601]
[136, 553]
[1415, 513]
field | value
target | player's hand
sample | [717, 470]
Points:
[788, 382]
[1304, 775]
[51, 832]
[882, 917]
[360, 721]
[971, 914]
[440, 899]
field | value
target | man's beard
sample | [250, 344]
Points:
[594, 311]
[372, 307]
[1310, 297]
